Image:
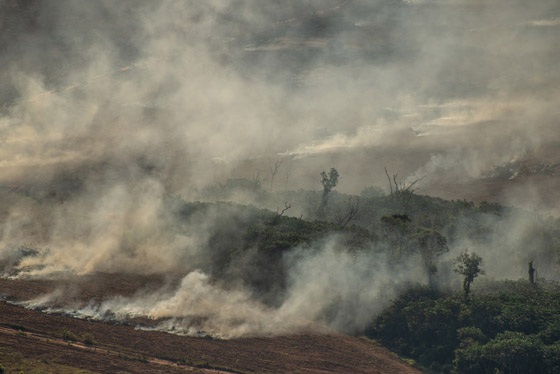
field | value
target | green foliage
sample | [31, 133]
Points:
[469, 266]
[454, 220]
[512, 325]
[248, 244]
[329, 181]
[509, 352]
[470, 335]
[431, 244]
[405, 238]
[491, 208]
[69, 336]
[441, 332]
[88, 339]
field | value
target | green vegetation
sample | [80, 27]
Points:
[244, 236]
[69, 336]
[502, 327]
[483, 329]
[510, 327]
[329, 181]
[468, 265]
[400, 224]
[88, 339]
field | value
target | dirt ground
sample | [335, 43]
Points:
[123, 348]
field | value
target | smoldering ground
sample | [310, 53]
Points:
[327, 287]
[107, 108]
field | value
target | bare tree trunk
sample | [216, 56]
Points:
[531, 272]
[273, 170]
[389, 178]
[467, 288]
[353, 207]
[286, 207]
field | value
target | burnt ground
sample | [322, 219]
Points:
[122, 348]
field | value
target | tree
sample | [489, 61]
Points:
[431, 244]
[353, 207]
[469, 266]
[508, 352]
[531, 272]
[397, 231]
[329, 181]
[273, 170]
[401, 193]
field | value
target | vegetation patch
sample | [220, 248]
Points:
[513, 325]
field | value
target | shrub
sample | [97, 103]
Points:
[69, 336]
[510, 326]
[88, 339]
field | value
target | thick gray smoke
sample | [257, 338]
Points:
[107, 107]
[433, 87]
[326, 285]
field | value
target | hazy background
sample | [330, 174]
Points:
[196, 92]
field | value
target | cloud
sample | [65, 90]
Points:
[551, 22]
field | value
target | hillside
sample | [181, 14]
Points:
[124, 348]
[250, 302]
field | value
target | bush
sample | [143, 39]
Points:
[69, 336]
[508, 352]
[88, 339]
[513, 326]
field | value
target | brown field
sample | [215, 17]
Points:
[122, 348]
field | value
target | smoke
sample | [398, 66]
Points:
[326, 285]
[343, 290]
[199, 308]
[140, 84]
[108, 108]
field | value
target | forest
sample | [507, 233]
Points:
[510, 321]
[453, 286]
[509, 324]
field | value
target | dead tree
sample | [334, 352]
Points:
[401, 187]
[276, 219]
[531, 273]
[273, 170]
[257, 181]
[389, 178]
[353, 207]
[286, 207]
[400, 191]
